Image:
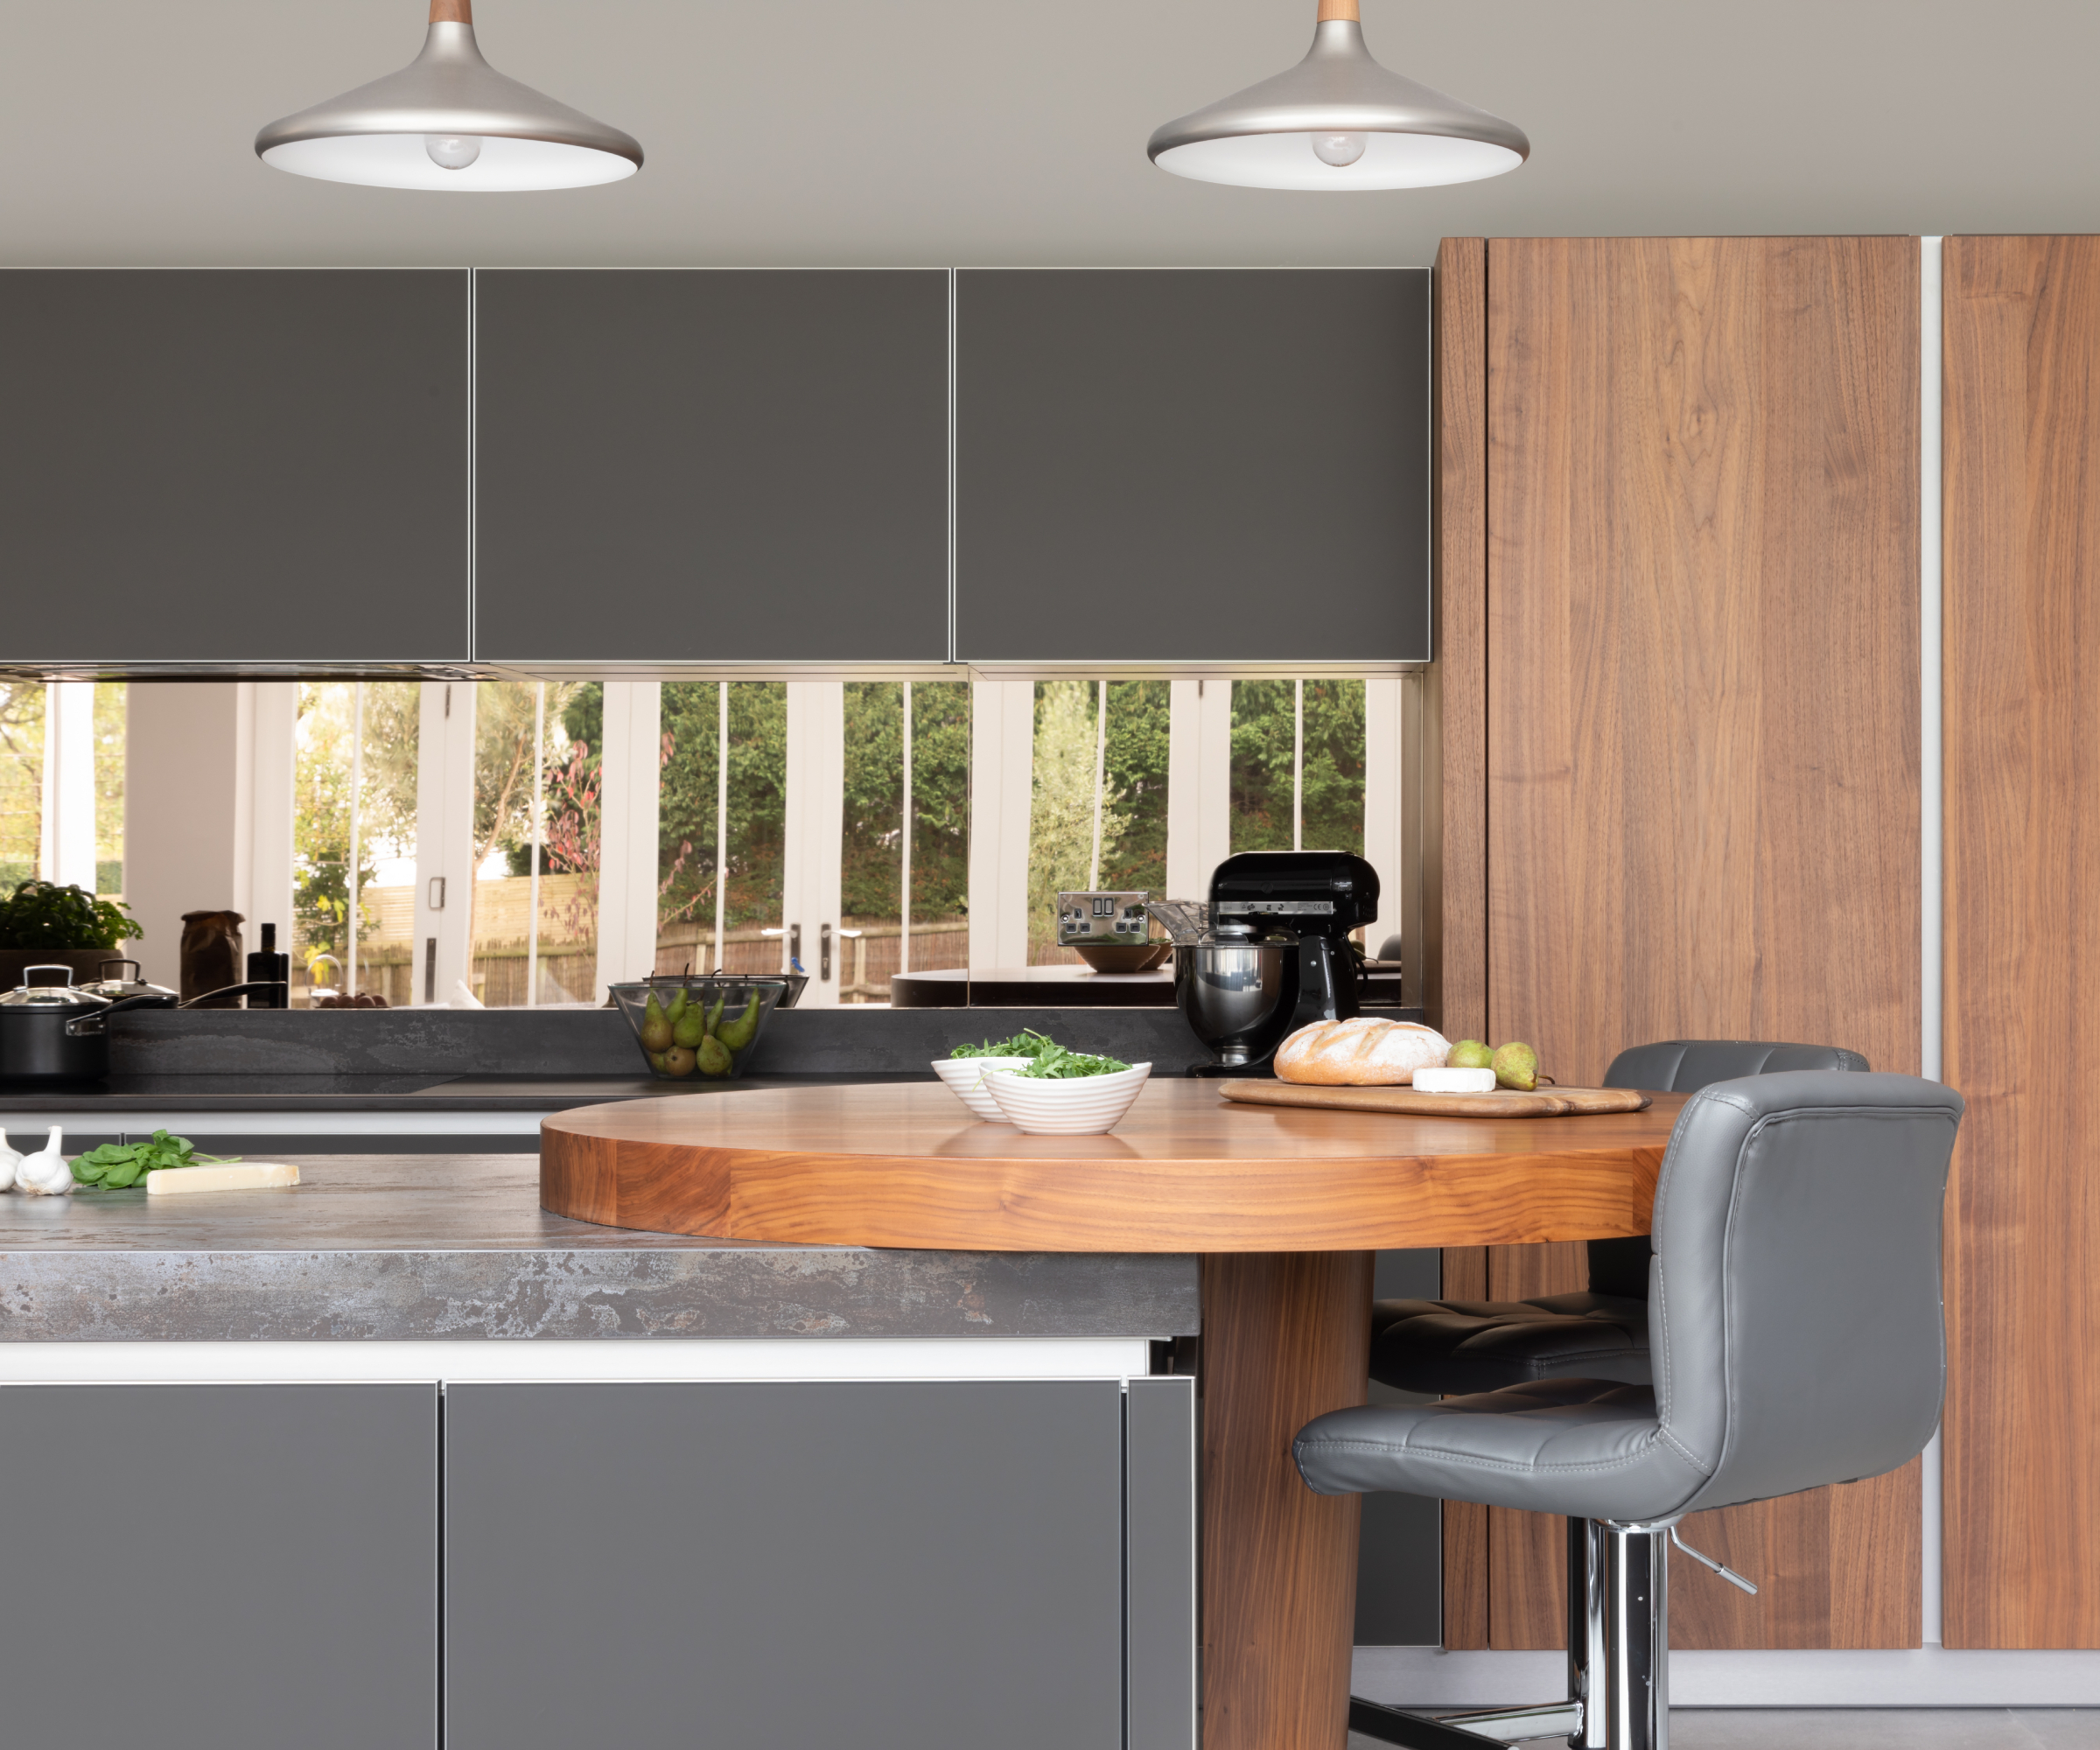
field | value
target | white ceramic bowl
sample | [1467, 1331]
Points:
[1080, 1106]
[969, 1079]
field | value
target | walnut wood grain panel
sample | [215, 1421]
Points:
[908, 1165]
[1455, 854]
[2022, 669]
[1286, 1337]
[1702, 720]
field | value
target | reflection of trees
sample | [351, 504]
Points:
[758, 801]
[873, 847]
[1262, 734]
[112, 707]
[507, 726]
[871, 850]
[323, 767]
[21, 777]
[1137, 768]
[941, 717]
[1061, 813]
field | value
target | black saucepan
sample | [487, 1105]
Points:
[37, 1041]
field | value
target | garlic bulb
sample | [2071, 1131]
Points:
[9, 1160]
[45, 1173]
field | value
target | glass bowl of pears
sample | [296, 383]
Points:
[699, 1028]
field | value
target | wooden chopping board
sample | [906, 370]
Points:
[1546, 1103]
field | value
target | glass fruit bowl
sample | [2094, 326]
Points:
[698, 1029]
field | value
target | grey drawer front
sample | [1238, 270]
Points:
[220, 1567]
[1160, 1600]
[888, 1565]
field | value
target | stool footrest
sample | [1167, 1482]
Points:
[1468, 1731]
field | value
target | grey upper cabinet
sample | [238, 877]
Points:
[234, 465]
[220, 1567]
[1192, 466]
[696, 465]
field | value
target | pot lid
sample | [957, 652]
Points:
[28, 996]
[114, 990]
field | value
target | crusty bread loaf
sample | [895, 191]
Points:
[1363, 1053]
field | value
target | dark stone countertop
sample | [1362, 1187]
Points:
[457, 1246]
[269, 1092]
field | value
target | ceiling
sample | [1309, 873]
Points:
[928, 132]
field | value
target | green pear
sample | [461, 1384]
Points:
[678, 1062]
[1470, 1055]
[1516, 1066]
[677, 1006]
[690, 1029]
[737, 1033]
[714, 1057]
[714, 1015]
[656, 1028]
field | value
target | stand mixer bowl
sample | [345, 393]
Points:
[1239, 996]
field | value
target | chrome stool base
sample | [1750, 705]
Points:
[1617, 1695]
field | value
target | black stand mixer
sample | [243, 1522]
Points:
[1276, 956]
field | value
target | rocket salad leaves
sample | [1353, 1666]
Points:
[1048, 1061]
[1025, 1043]
[1053, 1062]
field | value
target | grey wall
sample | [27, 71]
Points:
[181, 812]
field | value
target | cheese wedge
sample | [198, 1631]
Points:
[1454, 1081]
[250, 1176]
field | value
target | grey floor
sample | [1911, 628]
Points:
[1872, 1729]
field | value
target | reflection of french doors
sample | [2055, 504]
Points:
[814, 804]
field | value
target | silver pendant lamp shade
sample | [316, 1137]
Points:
[1336, 121]
[449, 120]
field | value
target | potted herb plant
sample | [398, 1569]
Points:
[43, 924]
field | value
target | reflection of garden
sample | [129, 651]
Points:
[1263, 730]
[22, 708]
[872, 829]
[334, 757]
[567, 719]
[1132, 768]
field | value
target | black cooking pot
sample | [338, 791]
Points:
[55, 1033]
[37, 1038]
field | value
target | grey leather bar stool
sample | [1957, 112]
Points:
[1454, 1346]
[1796, 1336]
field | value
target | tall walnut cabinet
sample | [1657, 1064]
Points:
[1679, 713]
[2021, 615]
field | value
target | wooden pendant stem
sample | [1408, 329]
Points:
[462, 12]
[1329, 10]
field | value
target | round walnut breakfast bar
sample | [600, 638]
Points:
[1287, 1206]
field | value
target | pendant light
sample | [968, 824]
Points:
[1338, 120]
[449, 120]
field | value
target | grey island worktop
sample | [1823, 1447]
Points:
[388, 1247]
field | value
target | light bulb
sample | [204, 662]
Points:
[1339, 149]
[456, 151]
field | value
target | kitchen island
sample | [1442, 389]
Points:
[397, 1459]
[1285, 1205]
